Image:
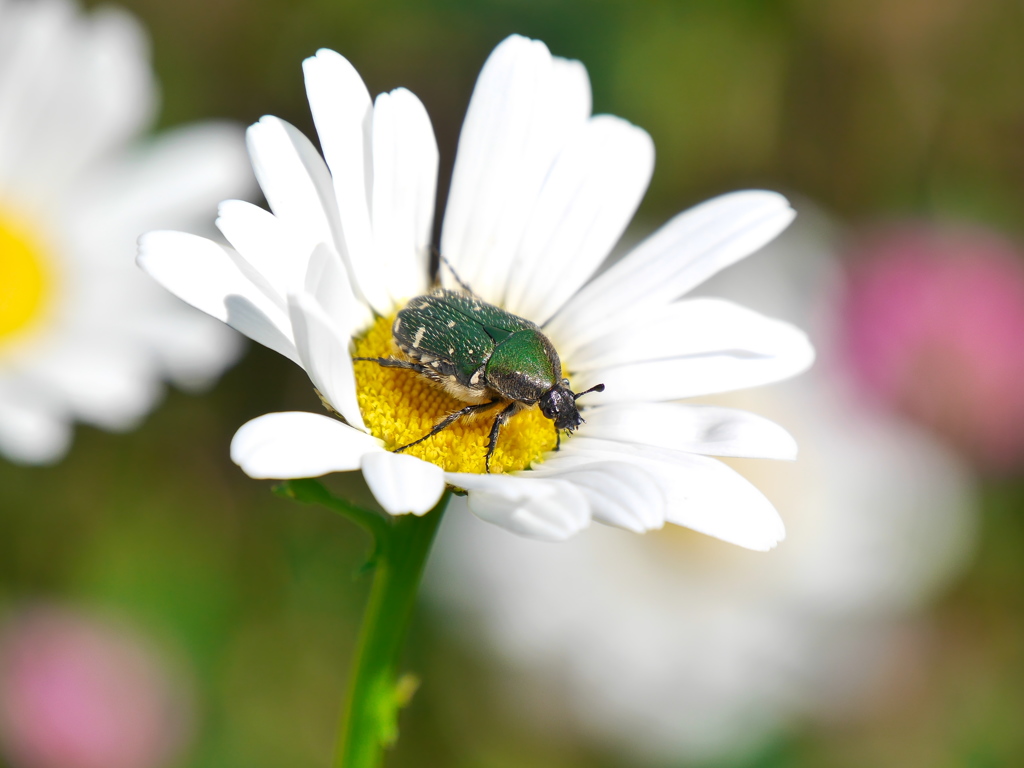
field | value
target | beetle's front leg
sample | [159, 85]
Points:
[394, 362]
[499, 421]
[450, 419]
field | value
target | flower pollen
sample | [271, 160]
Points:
[400, 406]
[24, 279]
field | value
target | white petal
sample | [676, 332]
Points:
[679, 256]
[405, 163]
[32, 432]
[193, 348]
[343, 116]
[403, 484]
[341, 108]
[295, 444]
[720, 502]
[295, 181]
[171, 182]
[34, 38]
[267, 243]
[696, 375]
[589, 197]
[328, 282]
[323, 350]
[105, 383]
[524, 108]
[262, 325]
[690, 348]
[693, 327]
[212, 278]
[61, 68]
[549, 510]
[702, 493]
[119, 86]
[706, 429]
[570, 99]
[621, 494]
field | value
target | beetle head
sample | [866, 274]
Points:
[559, 405]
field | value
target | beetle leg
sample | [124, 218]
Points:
[558, 439]
[450, 419]
[392, 362]
[499, 421]
[445, 262]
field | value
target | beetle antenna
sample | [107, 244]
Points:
[595, 388]
[444, 260]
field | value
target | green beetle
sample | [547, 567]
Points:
[482, 355]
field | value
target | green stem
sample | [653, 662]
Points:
[376, 693]
[370, 719]
[312, 492]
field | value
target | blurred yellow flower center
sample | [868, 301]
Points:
[400, 406]
[24, 279]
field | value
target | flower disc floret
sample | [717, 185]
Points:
[400, 406]
[25, 282]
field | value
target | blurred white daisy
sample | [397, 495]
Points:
[541, 191]
[675, 648]
[82, 335]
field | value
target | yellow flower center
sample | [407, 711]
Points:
[400, 406]
[24, 279]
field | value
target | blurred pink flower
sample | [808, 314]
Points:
[933, 325]
[76, 692]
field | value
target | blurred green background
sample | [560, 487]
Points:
[873, 108]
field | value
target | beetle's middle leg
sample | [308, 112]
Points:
[450, 419]
[394, 362]
[499, 421]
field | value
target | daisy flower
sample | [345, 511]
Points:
[83, 336]
[673, 647]
[541, 192]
